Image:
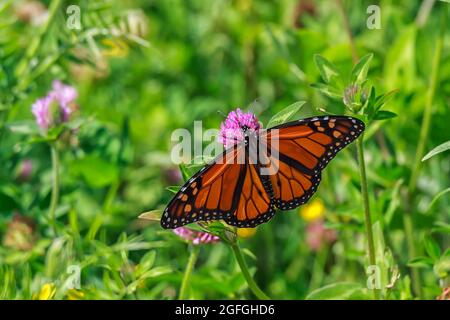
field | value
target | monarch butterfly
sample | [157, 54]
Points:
[240, 194]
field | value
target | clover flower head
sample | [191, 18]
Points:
[350, 94]
[195, 237]
[236, 125]
[20, 233]
[65, 95]
[42, 112]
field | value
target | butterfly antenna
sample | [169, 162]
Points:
[222, 113]
[255, 106]
[251, 105]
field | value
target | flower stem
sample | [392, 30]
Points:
[187, 273]
[251, 283]
[365, 196]
[55, 187]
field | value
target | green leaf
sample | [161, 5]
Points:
[173, 189]
[96, 171]
[53, 257]
[335, 291]
[247, 252]
[420, 262]
[441, 227]
[370, 104]
[436, 198]
[359, 72]
[382, 99]
[7, 201]
[383, 115]
[147, 261]
[156, 272]
[51, 135]
[442, 267]
[326, 68]
[285, 114]
[184, 172]
[360, 294]
[23, 127]
[154, 215]
[327, 90]
[432, 248]
[440, 148]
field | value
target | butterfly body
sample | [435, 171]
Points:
[277, 168]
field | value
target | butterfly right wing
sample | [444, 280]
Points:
[303, 149]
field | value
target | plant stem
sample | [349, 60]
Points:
[361, 163]
[187, 273]
[55, 187]
[365, 196]
[424, 12]
[251, 283]
[409, 235]
[423, 137]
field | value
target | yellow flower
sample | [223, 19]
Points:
[74, 294]
[117, 48]
[246, 232]
[47, 292]
[313, 211]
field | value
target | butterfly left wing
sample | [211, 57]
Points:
[298, 151]
[209, 194]
[230, 189]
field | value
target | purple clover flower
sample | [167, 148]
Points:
[64, 96]
[195, 237]
[41, 110]
[231, 130]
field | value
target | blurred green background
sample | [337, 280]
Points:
[145, 68]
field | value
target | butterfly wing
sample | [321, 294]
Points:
[299, 150]
[230, 189]
[254, 204]
[209, 194]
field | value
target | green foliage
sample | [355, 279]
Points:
[143, 69]
[285, 114]
[440, 148]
